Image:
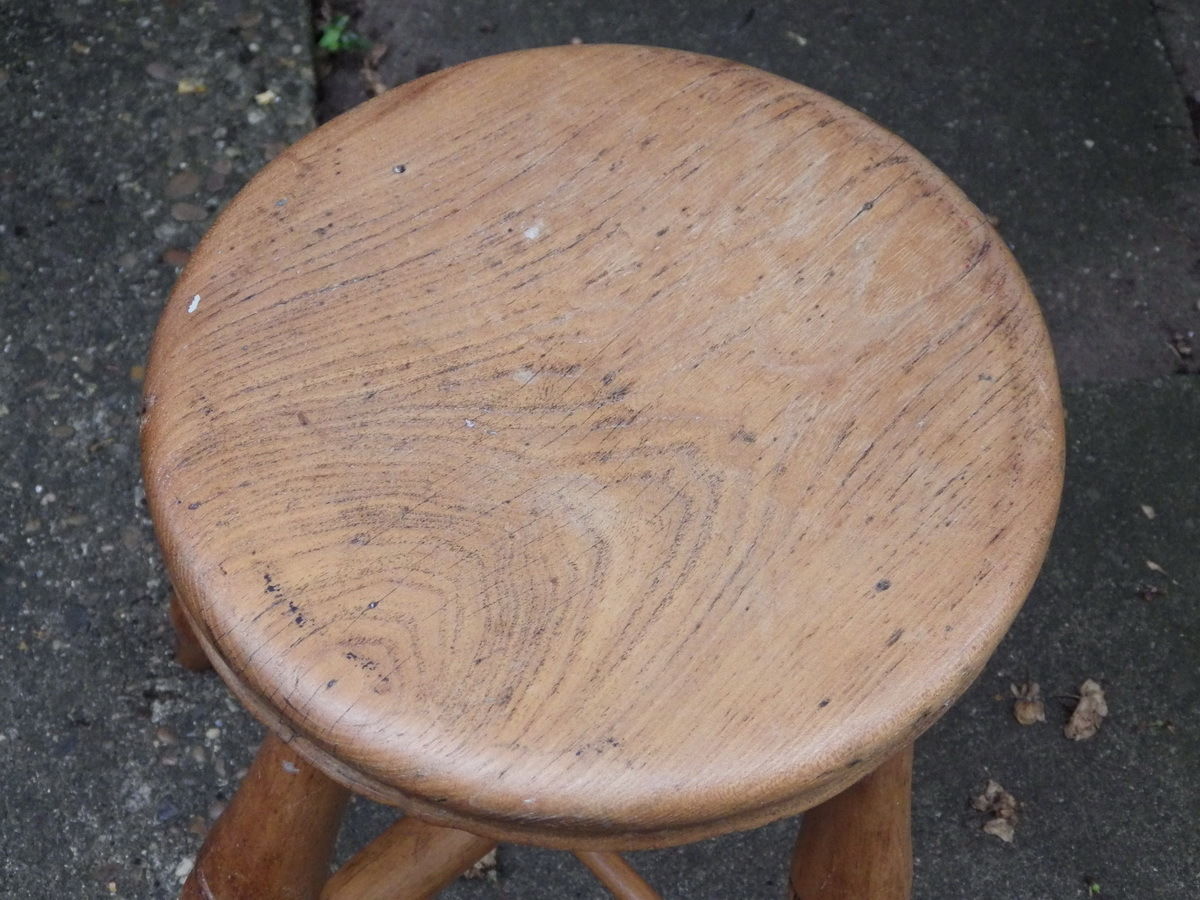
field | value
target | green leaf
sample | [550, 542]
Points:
[332, 34]
[335, 37]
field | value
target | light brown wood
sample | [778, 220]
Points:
[189, 652]
[612, 871]
[412, 860]
[275, 839]
[601, 447]
[859, 843]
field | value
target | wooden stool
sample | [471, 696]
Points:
[596, 447]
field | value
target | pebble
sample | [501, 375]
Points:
[212, 734]
[185, 867]
[161, 71]
[62, 432]
[182, 184]
[165, 735]
[131, 538]
[167, 811]
[198, 754]
[188, 212]
[176, 256]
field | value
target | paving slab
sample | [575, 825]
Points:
[125, 127]
[1066, 122]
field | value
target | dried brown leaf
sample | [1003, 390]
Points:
[484, 868]
[1001, 828]
[1002, 806]
[370, 70]
[1089, 712]
[1029, 707]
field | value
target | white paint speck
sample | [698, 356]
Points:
[533, 232]
[800, 39]
[290, 767]
[470, 423]
[1089, 143]
[523, 376]
[195, 304]
[530, 800]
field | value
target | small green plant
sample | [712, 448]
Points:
[336, 37]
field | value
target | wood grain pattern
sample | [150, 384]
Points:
[412, 860]
[275, 840]
[601, 446]
[859, 843]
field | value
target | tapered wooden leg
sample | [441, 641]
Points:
[618, 876]
[859, 844]
[188, 652]
[275, 839]
[412, 860]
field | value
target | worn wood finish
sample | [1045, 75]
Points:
[601, 447]
[622, 881]
[859, 843]
[275, 839]
[412, 860]
[189, 652]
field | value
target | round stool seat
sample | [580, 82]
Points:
[601, 446]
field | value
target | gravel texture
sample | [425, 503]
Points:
[113, 759]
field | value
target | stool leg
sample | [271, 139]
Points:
[412, 860]
[618, 876]
[188, 651]
[275, 839]
[859, 843]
